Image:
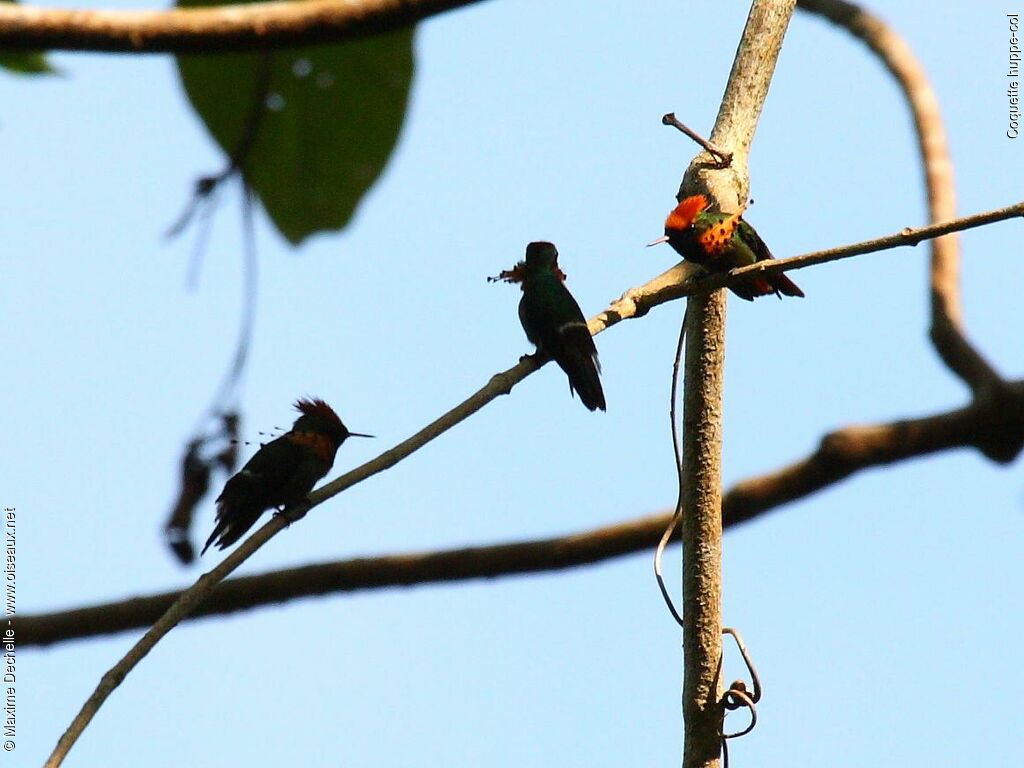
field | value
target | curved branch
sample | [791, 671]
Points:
[994, 426]
[946, 332]
[243, 27]
[406, 569]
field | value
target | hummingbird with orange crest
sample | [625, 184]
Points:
[281, 473]
[720, 242]
[554, 322]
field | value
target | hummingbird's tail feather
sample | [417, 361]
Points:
[231, 526]
[751, 289]
[578, 358]
[237, 512]
[782, 284]
[778, 284]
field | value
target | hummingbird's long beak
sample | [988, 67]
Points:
[659, 241]
[359, 434]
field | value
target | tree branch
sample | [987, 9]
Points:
[995, 437]
[685, 279]
[993, 426]
[701, 475]
[656, 291]
[947, 333]
[181, 608]
[243, 27]
[701, 523]
[905, 237]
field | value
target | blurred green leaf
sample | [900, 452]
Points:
[326, 119]
[25, 62]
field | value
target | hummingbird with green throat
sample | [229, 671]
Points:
[554, 322]
[720, 242]
[281, 473]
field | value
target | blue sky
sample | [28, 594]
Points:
[882, 613]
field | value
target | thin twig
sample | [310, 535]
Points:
[686, 280]
[204, 193]
[738, 696]
[734, 699]
[755, 679]
[178, 526]
[677, 450]
[181, 608]
[196, 593]
[724, 158]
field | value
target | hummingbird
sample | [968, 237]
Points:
[720, 242]
[554, 322]
[281, 472]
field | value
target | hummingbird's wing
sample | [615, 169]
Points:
[267, 480]
[554, 322]
[777, 283]
[754, 241]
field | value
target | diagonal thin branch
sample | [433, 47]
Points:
[672, 284]
[182, 607]
[947, 333]
[906, 237]
[47, 628]
[639, 301]
[684, 279]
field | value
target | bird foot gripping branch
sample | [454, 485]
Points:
[281, 473]
[720, 242]
[554, 322]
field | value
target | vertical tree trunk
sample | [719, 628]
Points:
[702, 528]
[744, 97]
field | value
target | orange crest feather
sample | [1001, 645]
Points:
[684, 213]
[317, 407]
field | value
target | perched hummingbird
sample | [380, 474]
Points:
[720, 242]
[554, 322]
[281, 473]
